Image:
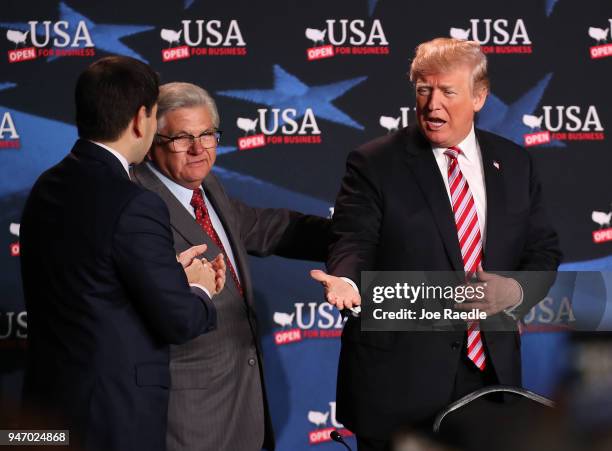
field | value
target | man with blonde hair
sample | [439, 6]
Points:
[438, 196]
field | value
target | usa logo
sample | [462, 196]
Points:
[603, 48]
[602, 219]
[9, 137]
[72, 35]
[203, 38]
[13, 330]
[563, 123]
[14, 247]
[346, 37]
[401, 119]
[325, 422]
[278, 126]
[499, 36]
[310, 320]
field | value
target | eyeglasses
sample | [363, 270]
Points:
[183, 143]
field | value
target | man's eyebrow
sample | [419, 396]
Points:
[183, 132]
[180, 132]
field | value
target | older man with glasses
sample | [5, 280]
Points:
[217, 398]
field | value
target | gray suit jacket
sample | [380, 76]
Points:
[217, 397]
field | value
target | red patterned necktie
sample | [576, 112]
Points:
[203, 218]
[470, 242]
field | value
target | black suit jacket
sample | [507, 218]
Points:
[393, 214]
[105, 297]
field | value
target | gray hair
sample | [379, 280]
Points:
[183, 95]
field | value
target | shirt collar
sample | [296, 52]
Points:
[183, 194]
[119, 157]
[468, 147]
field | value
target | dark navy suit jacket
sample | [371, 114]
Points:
[105, 298]
[393, 214]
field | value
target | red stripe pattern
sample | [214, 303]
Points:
[203, 218]
[470, 242]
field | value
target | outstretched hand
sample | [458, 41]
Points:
[338, 292]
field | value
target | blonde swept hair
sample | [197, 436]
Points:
[444, 54]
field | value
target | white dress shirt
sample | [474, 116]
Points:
[184, 195]
[470, 164]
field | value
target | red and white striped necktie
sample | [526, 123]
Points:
[470, 242]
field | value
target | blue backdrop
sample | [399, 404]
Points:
[298, 85]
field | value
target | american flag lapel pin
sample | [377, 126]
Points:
[496, 164]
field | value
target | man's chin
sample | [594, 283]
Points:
[199, 176]
[198, 168]
[435, 138]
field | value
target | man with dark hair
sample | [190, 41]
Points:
[104, 291]
[109, 93]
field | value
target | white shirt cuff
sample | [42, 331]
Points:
[351, 283]
[201, 287]
[355, 311]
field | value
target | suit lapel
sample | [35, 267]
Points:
[421, 160]
[493, 168]
[180, 219]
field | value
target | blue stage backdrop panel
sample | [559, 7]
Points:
[298, 85]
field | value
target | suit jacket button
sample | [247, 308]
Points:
[456, 345]
[252, 361]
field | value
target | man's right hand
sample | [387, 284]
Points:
[186, 257]
[218, 265]
[338, 292]
[202, 273]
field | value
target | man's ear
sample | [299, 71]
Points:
[138, 123]
[479, 98]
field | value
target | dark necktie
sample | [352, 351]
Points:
[203, 218]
